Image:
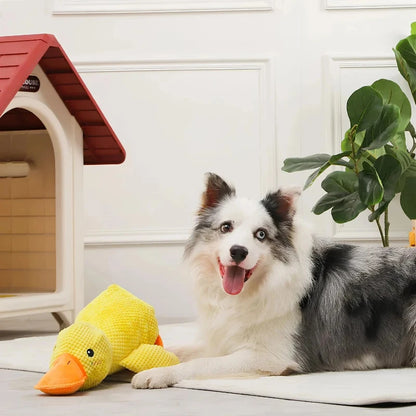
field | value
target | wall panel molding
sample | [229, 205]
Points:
[369, 237]
[158, 6]
[267, 143]
[124, 237]
[368, 4]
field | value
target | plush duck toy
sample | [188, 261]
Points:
[116, 330]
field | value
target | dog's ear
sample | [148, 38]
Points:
[281, 205]
[216, 190]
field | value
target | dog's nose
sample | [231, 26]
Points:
[238, 253]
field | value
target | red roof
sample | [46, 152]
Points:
[18, 57]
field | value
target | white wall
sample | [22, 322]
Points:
[230, 86]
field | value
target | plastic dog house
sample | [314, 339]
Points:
[50, 125]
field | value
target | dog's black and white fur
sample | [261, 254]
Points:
[273, 299]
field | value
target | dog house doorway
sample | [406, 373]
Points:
[27, 206]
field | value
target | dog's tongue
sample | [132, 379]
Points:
[233, 279]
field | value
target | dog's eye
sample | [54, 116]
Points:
[226, 227]
[260, 234]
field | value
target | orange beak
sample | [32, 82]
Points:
[66, 376]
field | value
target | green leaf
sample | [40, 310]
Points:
[364, 107]
[389, 171]
[410, 172]
[382, 206]
[407, 48]
[346, 142]
[399, 141]
[337, 159]
[384, 129]
[340, 182]
[393, 94]
[406, 61]
[370, 188]
[348, 209]
[376, 153]
[411, 130]
[315, 174]
[368, 156]
[342, 195]
[333, 160]
[359, 138]
[322, 161]
[402, 156]
[413, 28]
[326, 202]
[295, 164]
[408, 197]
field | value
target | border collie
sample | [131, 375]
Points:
[273, 299]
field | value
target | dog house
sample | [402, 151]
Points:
[50, 126]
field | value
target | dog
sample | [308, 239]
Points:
[273, 299]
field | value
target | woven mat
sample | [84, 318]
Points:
[348, 387]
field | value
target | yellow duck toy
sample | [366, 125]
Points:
[116, 330]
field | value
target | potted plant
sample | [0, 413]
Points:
[377, 157]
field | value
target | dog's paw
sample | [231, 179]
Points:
[155, 378]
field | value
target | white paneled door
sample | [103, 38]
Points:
[228, 86]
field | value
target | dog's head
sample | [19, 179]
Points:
[237, 237]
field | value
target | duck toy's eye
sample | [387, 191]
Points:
[90, 352]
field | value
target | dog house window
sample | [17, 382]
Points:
[27, 205]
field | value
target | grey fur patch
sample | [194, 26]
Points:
[281, 242]
[361, 304]
[203, 230]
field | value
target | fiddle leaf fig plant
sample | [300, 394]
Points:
[377, 157]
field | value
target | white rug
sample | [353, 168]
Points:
[348, 388]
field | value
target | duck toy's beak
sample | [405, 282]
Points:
[66, 376]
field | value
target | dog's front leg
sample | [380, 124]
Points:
[237, 362]
[187, 352]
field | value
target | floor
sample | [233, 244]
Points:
[17, 397]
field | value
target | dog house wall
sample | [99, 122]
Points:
[27, 210]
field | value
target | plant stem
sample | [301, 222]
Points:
[380, 229]
[386, 228]
[351, 138]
